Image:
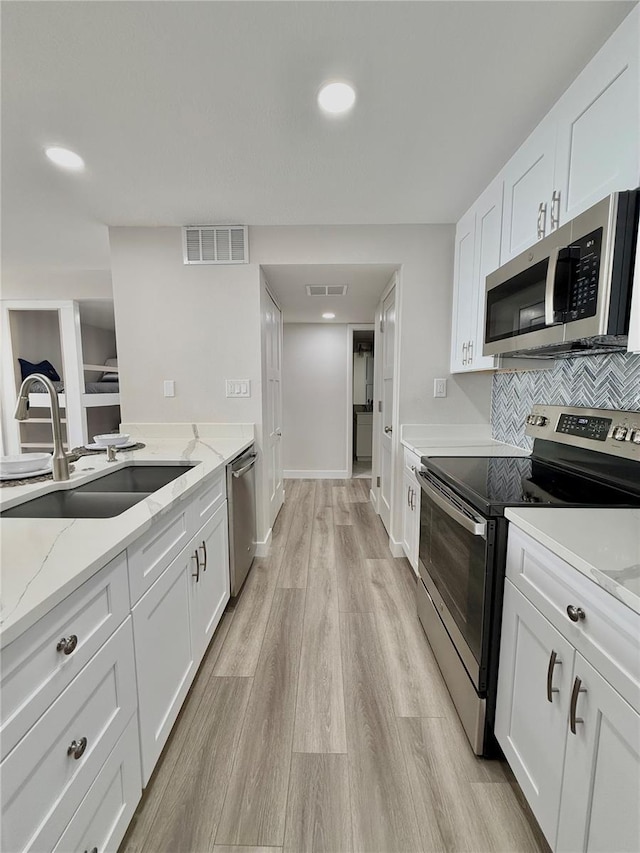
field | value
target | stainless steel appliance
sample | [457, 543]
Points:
[581, 457]
[241, 494]
[570, 294]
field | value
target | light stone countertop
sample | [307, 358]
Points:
[455, 440]
[603, 544]
[44, 560]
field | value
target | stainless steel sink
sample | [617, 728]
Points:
[135, 478]
[104, 497]
[74, 504]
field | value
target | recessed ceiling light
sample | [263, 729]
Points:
[65, 158]
[328, 316]
[336, 97]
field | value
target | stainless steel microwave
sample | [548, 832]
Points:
[570, 294]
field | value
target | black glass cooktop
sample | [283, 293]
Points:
[491, 483]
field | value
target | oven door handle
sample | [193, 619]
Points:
[477, 528]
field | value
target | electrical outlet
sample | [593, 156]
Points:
[238, 387]
[169, 388]
[439, 387]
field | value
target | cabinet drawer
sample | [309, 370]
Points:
[42, 784]
[411, 461]
[35, 671]
[103, 816]
[608, 636]
[212, 494]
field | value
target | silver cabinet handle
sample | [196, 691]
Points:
[278, 432]
[67, 644]
[413, 498]
[464, 352]
[542, 219]
[577, 689]
[196, 574]
[555, 209]
[553, 661]
[470, 352]
[77, 748]
[93, 850]
[409, 496]
[204, 555]
[388, 430]
[575, 613]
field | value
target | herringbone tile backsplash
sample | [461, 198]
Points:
[598, 381]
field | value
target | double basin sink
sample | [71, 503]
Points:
[104, 497]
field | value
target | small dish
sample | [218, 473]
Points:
[23, 463]
[25, 475]
[118, 440]
[104, 446]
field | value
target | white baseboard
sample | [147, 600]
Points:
[316, 475]
[263, 547]
[373, 497]
[396, 548]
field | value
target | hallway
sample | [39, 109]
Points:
[319, 720]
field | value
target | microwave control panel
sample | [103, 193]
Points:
[585, 271]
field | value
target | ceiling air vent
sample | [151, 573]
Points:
[215, 244]
[327, 289]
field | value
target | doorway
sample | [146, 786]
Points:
[361, 354]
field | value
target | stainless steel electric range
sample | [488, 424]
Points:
[581, 458]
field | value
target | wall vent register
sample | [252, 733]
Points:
[327, 289]
[215, 244]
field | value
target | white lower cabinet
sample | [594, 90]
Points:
[571, 739]
[173, 624]
[102, 819]
[411, 508]
[600, 804]
[46, 776]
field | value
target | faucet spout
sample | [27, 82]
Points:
[60, 462]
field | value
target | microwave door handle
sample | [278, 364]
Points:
[550, 289]
[474, 527]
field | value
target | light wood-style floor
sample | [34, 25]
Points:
[319, 720]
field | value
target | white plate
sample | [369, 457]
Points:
[27, 475]
[104, 447]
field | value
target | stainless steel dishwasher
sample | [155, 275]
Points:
[241, 494]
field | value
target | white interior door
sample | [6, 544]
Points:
[274, 408]
[387, 333]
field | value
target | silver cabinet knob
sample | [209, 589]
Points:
[388, 430]
[575, 613]
[278, 432]
[67, 644]
[77, 748]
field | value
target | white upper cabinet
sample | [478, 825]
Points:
[585, 148]
[477, 253]
[528, 190]
[598, 149]
[463, 291]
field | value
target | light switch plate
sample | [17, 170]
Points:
[169, 388]
[439, 387]
[238, 387]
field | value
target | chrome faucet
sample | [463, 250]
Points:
[60, 462]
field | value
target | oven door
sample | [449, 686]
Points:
[454, 564]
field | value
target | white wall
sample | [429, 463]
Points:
[201, 324]
[315, 360]
[56, 284]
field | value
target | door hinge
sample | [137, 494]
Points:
[379, 405]
[382, 325]
[378, 482]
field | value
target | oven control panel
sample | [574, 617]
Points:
[606, 430]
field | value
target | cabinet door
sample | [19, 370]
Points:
[598, 145]
[463, 292]
[408, 488]
[210, 593]
[487, 259]
[531, 729]
[600, 806]
[528, 183]
[165, 656]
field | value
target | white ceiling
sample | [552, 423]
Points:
[365, 285]
[199, 112]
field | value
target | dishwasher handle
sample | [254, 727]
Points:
[245, 468]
